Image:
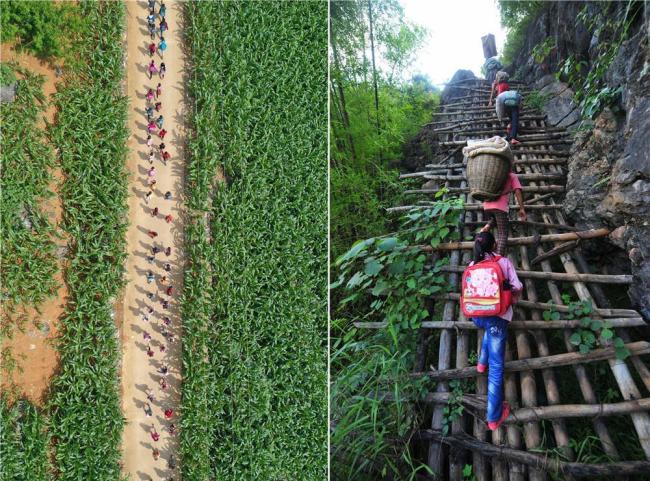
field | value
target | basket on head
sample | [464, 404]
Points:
[488, 165]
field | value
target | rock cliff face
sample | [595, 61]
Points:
[609, 167]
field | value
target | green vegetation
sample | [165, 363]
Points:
[254, 305]
[516, 15]
[588, 80]
[41, 27]
[23, 442]
[536, 100]
[27, 248]
[91, 135]
[7, 75]
[372, 395]
[396, 276]
[373, 415]
[592, 332]
[373, 113]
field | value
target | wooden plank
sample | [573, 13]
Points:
[523, 325]
[579, 470]
[636, 348]
[427, 205]
[561, 276]
[554, 306]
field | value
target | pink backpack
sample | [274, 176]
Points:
[484, 291]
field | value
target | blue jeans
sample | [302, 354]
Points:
[514, 121]
[493, 351]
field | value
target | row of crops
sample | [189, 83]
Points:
[90, 133]
[28, 262]
[254, 307]
[24, 440]
[27, 247]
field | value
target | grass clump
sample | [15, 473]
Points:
[24, 442]
[27, 248]
[40, 27]
[91, 135]
[254, 307]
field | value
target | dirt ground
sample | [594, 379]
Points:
[32, 349]
[139, 371]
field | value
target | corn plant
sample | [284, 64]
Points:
[23, 442]
[254, 322]
[27, 248]
[91, 133]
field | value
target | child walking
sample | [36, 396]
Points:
[493, 346]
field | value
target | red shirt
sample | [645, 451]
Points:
[502, 87]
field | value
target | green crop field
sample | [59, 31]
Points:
[27, 248]
[23, 442]
[254, 310]
[91, 133]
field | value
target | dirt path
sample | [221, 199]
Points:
[139, 371]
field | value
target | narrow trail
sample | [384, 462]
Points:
[140, 371]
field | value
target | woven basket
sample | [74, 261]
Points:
[486, 174]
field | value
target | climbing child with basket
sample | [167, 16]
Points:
[491, 180]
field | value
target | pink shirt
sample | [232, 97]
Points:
[512, 183]
[509, 273]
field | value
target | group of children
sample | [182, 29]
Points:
[164, 290]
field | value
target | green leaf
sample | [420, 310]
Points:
[585, 322]
[356, 248]
[606, 334]
[618, 342]
[596, 325]
[356, 279]
[575, 339]
[622, 353]
[396, 267]
[467, 470]
[411, 283]
[373, 267]
[588, 337]
[584, 348]
[379, 288]
[546, 315]
[555, 316]
[387, 244]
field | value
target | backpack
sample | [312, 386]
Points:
[511, 98]
[484, 290]
[493, 64]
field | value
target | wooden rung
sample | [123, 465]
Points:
[554, 153]
[529, 223]
[549, 306]
[561, 249]
[462, 440]
[525, 189]
[519, 325]
[528, 240]
[636, 349]
[528, 414]
[560, 276]
[525, 177]
[549, 141]
[485, 120]
[473, 207]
